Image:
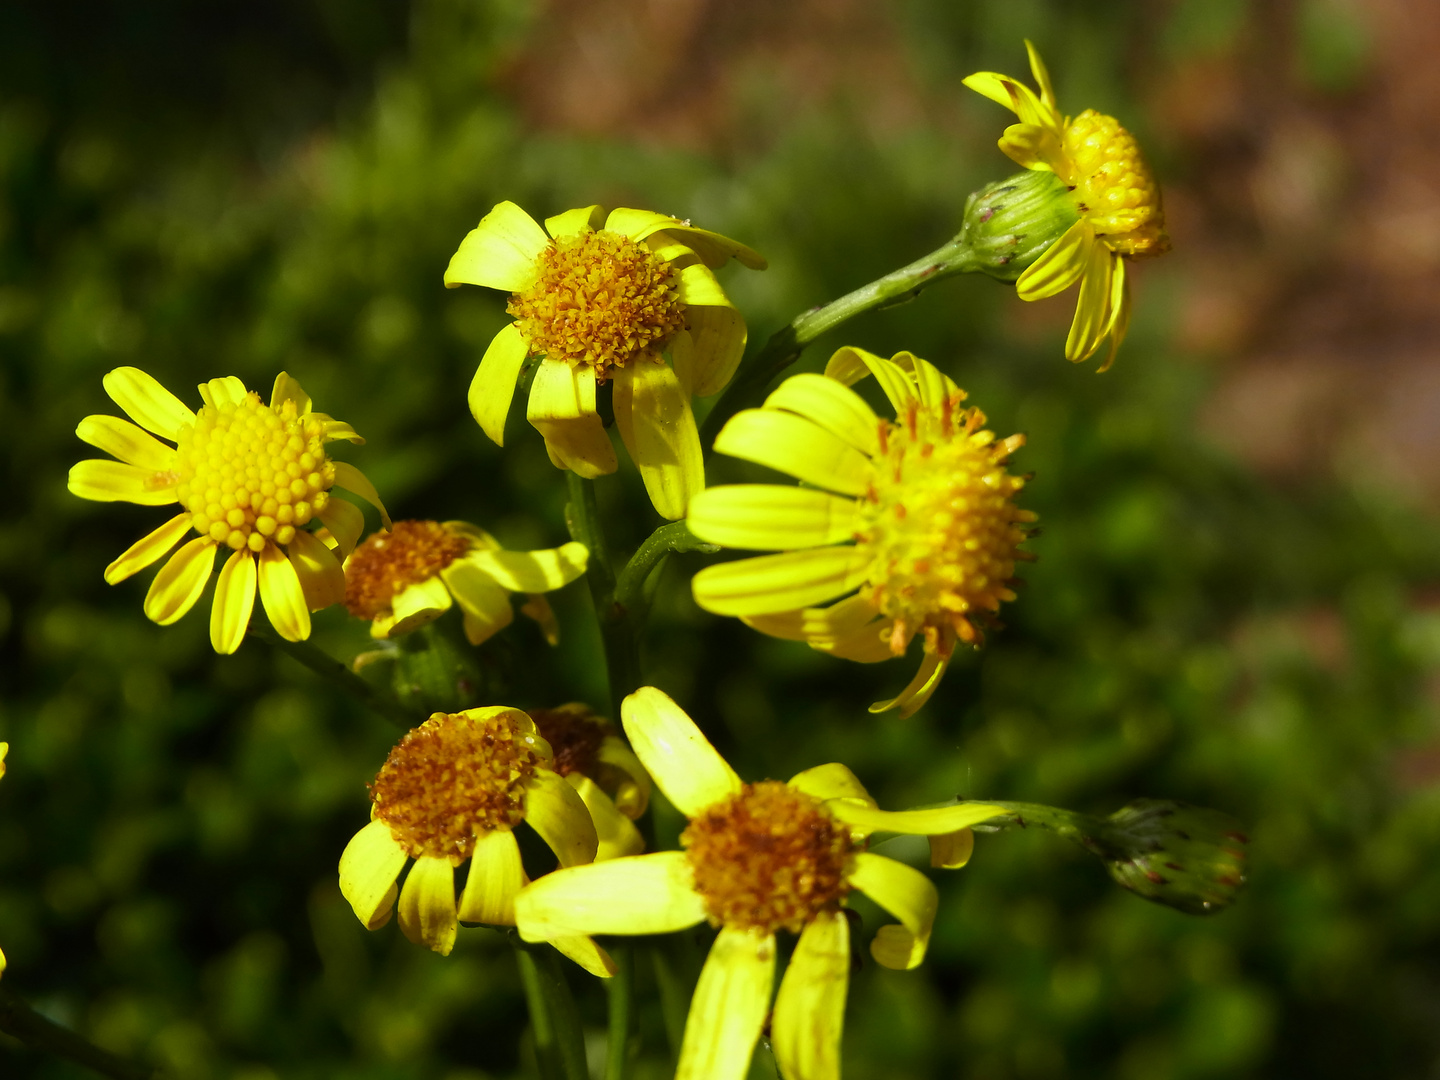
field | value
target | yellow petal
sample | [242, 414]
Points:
[321, 578]
[832, 781]
[1034, 147]
[227, 390]
[282, 595]
[587, 954]
[616, 833]
[715, 249]
[728, 1010]
[350, 478]
[633, 795]
[500, 252]
[233, 603]
[950, 851]
[690, 771]
[132, 445]
[849, 365]
[417, 604]
[1060, 266]
[992, 85]
[795, 445]
[909, 896]
[831, 404]
[427, 904]
[289, 389]
[147, 402]
[639, 224]
[1041, 73]
[368, 869]
[717, 336]
[493, 387]
[338, 430]
[810, 1008]
[180, 581]
[532, 571]
[495, 880]
[345, 522]
[932, 386]
[1092, 311]
[115, 481]
[556, 812]
[771, 583]
[771, 516]
[652, 411]
[536, 607]
[486, 605]
[562, 408]
[1014, 95]
[1120, 318]
[147, 549]
[819, 626]
[700, 288]
[932, 669]
[935, 821]
[573, 222]
[641, 894]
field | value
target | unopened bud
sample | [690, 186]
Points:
[1011, 223]
[1183, 856]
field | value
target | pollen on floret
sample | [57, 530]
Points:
[388, 563]
[250, 474]
[1114, 186]
[768, 857]
[453, 778]
[941, 524]
[574, 734]
[599, 298]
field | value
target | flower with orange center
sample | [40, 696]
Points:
[604, 772]
[1113, 189]
[454, 790]
[605, 300]
[411, 574]
[918, 513]
[758, 858]
[249, 478]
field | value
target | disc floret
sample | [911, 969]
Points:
[388, 563]
[1113, 186]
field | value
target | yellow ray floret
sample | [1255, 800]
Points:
[758, 858]
[629, 299]
[1113, 189]
[915, 516]
[249, 477]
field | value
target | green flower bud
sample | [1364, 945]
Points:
[1183, 856]
[1010, 223]
[432, 670]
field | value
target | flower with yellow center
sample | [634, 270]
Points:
[605, 300]
[918, 513]
[1113, 189]
[249, 478]
[403, 578]
[453, 790]
[758, 858]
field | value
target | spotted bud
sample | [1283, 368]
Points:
[1185, 857]
[1011, 223]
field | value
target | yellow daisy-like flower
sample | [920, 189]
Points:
[453, 790]
[918, 513]
[404, 578]
[601, 299]
[758, 858]
[1114, 191]
[249, 477]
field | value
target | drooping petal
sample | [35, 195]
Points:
[288, 388]
[798, 447]
[908, 895]
[345, 521]
[226, 390]
[639, 224]
[932, 386]
[180, 581]
[917, 692]
[339, 431]
[1060, 266]
[1120, 312]
[147, 549]
[950, 851]
[418, 604]
[640, 894]
[633, 794]
[486, 605]
[867, 644]
[350, 478]
[616, 833]
[532, 571]
[717, 336]
[322, 579]
[690, 771]
[584, 951]
[493, 387]
[700, 288]
[500, 252]
[282, 595]
[537, 608]
[427, 904]
[147, 402]
[762, 516]
[771, 583]
[810, 1008]
[123, 440]
[819, 626]
[832, 781]
[557, 813]
[849, 365]
[573, 222]
[728, 1010]
[712, 247]
[831, 404]
[234, 601]
[115, 481]
[368, 868]
[652, 411]
[1092, 311]
[495, 879]
[562, 408]
[935, 821]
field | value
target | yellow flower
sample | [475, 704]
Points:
[758, 858]
[404, 578]
[249, 477]
[603, 299]
[1114, 191]
[918, 513]
[452, 790]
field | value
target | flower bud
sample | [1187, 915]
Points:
[1183, 856]
[1010, 223]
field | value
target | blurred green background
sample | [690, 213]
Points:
[1240, 616]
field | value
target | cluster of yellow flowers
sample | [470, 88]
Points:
[902, 526]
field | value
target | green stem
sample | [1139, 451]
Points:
[621, 990]
[618, 633]
[787, 343]
[42, 1034]
[632, 587]
[559, 1040]
[338, 675]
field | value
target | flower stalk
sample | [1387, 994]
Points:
[338, 676]
[559, 1040]
[43, 1035]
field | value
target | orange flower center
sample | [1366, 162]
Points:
[1114, 187]
[768, 857]
[388, 563]
[453, 778]
[599, 298]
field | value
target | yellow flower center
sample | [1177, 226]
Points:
[574, 734]
[388, 563]
[599, 298]
[941, 523]
[768, 857]
[250, 474]
[453, 778]
[1114, 187]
